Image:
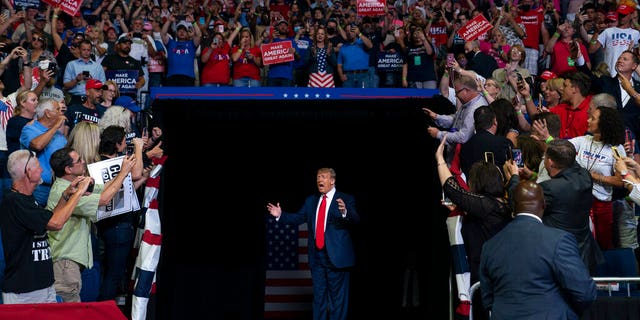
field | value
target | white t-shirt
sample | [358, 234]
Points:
[598, 158]
[614, 41]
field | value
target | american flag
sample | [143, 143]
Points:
[288, 292]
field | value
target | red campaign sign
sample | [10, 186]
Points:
[371, 7]
[69, 7]
[475, 28]
[277, 52]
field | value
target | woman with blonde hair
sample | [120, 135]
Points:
[24, 112]
[85, 139]
[553, 92]
[247, 61]
[110, 94]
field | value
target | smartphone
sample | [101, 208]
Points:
[86, 74]
[628, 137]
[516, 155]
[220, 28]
[450, 58]
[488, 157]
[396, 33]
[446, 201]
[616, 153]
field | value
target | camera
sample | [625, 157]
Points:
[137, 35]
[216, 41]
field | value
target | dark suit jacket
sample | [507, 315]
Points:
[337, 234]
[568, 197]
[532, 271]
[630, 111]
[483, 64]
[473, 150]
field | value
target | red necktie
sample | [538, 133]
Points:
[320, 222]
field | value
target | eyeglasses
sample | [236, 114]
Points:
[73, 163]
[26, 164]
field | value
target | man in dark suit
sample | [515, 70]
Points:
[532, 271]
[330, 216]
[480, 62]
[485, 143]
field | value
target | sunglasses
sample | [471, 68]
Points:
[38, 39]
[26, 164]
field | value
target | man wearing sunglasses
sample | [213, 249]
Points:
[24, 224]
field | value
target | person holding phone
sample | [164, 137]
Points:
[217, 59]
[418, 70]
[79, 71]
[486, 210]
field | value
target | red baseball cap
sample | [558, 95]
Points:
[611, 16]
[95, 84]
[625, 9]
[548, 75]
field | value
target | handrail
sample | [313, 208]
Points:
[476, 285]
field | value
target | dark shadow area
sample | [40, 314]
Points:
[227, 159]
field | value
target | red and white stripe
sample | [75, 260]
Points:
[321, 80]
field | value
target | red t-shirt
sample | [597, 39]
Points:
[245, 67]
[573, 122]
[532, 21]
[217, 70]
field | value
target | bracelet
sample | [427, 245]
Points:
[519, 112]
[65, 197]
[485, 93]
[534, 176]
[548, 139]
[527, 98]
[359, 34]
[593, 41]
[404, 78]
[55, 16]
[442, 164]
[556, 34]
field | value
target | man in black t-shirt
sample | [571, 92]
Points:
[117, 66]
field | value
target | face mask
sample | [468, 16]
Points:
[331, 31]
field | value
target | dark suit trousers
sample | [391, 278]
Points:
[330, 288]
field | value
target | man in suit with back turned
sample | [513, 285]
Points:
[330, 215]
[531, 271]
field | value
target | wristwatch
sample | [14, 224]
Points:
[623, 173]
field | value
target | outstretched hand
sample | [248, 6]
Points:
[440, 150]
[275, 210]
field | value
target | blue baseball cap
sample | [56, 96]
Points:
[127, 102]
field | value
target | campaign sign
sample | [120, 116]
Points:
[26, 4]
[388, 61]
[475, 28]
[125, 79]
[125, 199]
[277, 52]
[69, 7]
[371, 7]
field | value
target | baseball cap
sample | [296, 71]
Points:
[123, 38]
[40, 17]
[95, 84]
[611, 16]
[548, 75]
[127, 102]
[147, 26]
[625, 9]
[183, 24]
[283, 21]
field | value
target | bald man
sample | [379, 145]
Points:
[532, 271]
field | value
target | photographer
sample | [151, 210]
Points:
[217, 59]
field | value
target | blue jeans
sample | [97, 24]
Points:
[118, 242]
[246, 82]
